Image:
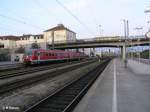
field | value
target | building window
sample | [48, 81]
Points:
[34, 37]
[41, 37]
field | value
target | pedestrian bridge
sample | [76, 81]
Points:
[100, 42]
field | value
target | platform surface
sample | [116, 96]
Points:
[8, 62]
[119, 89]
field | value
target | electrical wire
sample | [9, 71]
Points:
[20, 21]
[8, 29]
[46, 9]
[75, 17]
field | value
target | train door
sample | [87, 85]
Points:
[46, 55]
[35, 54]
[38, 57]
[42, 56]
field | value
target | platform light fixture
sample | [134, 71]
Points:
[147, 10]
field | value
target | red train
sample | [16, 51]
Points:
[42, 56]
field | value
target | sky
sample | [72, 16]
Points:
[18, 17]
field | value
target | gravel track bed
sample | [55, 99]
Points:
[12, 79]
[27, 97]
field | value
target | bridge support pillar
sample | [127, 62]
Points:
[123, 52]
[94, 51]
[83, 50]
[77, 50]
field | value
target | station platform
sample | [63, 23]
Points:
[9, 63]
[119, 89]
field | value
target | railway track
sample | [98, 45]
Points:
[66, 98]
[23, 71]
[10, 86]
[10, 67]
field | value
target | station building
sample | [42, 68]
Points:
[26, 41]
[59, 34]
[8, 41]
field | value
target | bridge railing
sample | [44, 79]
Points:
[142, 60]
[101, 40]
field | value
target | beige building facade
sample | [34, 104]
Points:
[60, 34]
[27, 40]
[8, 41]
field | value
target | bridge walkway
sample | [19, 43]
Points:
[119, 89]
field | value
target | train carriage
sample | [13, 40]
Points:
[43, 56]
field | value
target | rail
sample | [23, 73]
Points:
[9, 86]
[24, 71]
[66, 98]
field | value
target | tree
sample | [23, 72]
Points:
[20, 50]
[35, 46]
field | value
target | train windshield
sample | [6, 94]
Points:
[29, 53]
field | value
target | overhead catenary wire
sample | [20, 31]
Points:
[45, 9]
[20, 21]
[75, 17]
[96, 22]
[8, 29]
[14, 13]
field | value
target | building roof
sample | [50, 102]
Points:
[9, 37]
[59, 27]
[28, 35]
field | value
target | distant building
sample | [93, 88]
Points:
[8, 41]
[28, 40]
[60, 34]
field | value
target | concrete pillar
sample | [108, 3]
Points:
[77, 50]
[94, 51]
[52, 40]
[123, 52]
[83, 50]
[90, 52]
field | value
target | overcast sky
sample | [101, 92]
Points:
[19, 17]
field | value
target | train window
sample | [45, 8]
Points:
[55, 54]
[46, 54]
[35, 53]
[52, 54]
[29, 53]
[41, 54]
[38, 53]
[49, 54]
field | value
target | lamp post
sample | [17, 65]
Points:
[148, 11]
[148, 23]
[52, 40]
[139, 29]
[126, 35]
[100, 30]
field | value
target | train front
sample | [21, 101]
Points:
[28, 57]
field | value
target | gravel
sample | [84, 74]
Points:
[20, 100]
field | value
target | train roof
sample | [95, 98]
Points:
[57, 51]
